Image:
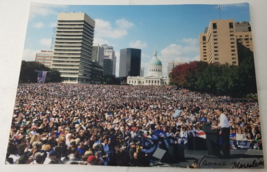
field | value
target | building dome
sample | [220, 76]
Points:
[155, 61]
[155, 66]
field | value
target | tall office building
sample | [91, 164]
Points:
[107, 66]
[142, 72]
[108, 52]
[73, 47]
[45, 57]
[173, 65]
[130, 62]
[218, 43]
[98, 54]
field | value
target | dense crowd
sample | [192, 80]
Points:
[115, 125]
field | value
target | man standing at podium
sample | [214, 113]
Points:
[225, 133]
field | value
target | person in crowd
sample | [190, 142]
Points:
[82, 124]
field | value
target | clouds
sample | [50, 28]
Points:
[53, 24]
[38, 25]
[104, 29]
[225, 7]
[45, 42]
[29, 55]
[39, 9]
[185, 52]
[122, 23]
[137, 44]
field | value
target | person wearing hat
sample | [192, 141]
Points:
[92, 160]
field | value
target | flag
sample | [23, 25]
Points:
[41, 76]
[201, 134]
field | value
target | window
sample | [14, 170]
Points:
[215, 50]
[204, 49]
[216, 54]
[204, 53]
[240, 35]
[250, 38]
[204, 46]
[216, 58]
[232, 46]
[215, 35]
[232, 50]
[231, 31]
[215, 42]
[234, 62]
[233, 54]
[232, 42]
[205, 58]
[214, 25]
[231, 26]
[215, 46]
[231, 34]
[249, 28]
[215, 39]
[204, 38]
[232, 39]
[246, 39]
[233, 58]
[246, 35]
[214, 31]
[247, 45]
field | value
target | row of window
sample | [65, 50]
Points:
[155, 70]
[148, 82]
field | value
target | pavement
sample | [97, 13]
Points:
[238, 159]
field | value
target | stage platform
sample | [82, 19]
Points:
[238, 159]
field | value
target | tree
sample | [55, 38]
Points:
[28, 72]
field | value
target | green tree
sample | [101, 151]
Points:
[28, 72]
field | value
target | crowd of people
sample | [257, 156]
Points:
[86, 124]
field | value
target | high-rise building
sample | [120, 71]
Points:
[130, 62]
[96, 73]
[142, 72]
[107, 66]
[45, 57]
[73, 47]
[53, 38]
[108, 52]
[173, 65]
[98, 54]
[219, 42]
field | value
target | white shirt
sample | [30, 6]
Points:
[224, 123]
[241, 137]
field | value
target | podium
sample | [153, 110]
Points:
[212, 140]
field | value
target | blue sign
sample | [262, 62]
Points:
[177, 113]
[242, 143]
[202, 119]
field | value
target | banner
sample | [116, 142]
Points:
[41, 76]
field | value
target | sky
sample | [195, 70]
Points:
[172, 30]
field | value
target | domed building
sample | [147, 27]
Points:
[154, 74]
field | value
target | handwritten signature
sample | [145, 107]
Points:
[238, 164]
[247, 165]
[208, 163]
